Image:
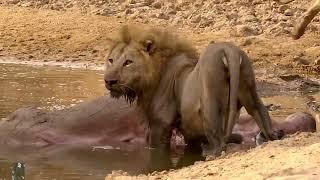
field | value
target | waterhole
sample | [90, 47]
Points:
[57, 88]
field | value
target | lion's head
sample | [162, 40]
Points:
[136, 58]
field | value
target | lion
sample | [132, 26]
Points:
[305, 19]
[200, 95]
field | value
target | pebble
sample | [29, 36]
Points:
[244, 30]
[288, 12]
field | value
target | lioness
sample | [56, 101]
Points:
[305, 19]
[175, 89]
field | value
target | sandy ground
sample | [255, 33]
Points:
[33, 34]
[293, 158]
[45, 35]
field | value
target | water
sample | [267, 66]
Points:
[70, 163]
[57, 88]
[48, 87]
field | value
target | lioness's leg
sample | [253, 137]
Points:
[305, 19]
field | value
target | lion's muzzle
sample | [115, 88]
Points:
[113, 86]
[110, 83]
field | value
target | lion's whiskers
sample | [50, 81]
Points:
[128, 93]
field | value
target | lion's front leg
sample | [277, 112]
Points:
[160, 135]
[159, 141]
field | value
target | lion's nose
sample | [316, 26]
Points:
[110, 83]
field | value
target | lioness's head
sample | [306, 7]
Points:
[135, 60]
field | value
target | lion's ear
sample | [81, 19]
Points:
[149, 46]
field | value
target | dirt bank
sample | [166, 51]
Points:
[257, 16]
[48, 35]
[74, 32]
[293, 158]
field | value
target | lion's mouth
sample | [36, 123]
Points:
[115, 93]
[129, 94]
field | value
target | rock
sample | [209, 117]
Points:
[288, 12]
[250, 18]
[170, 6]
[256, 2]
[290, 77]
[205, 23]
[57, 6]
[161, 15]
[303, 62]
[132, 1]
[285, 1]
[177, 21]
[153, 15]
[172, 12]
[69, 5]
[128, 11]
[246, 42]
[300, 60]
[230, 16]
[13, 1]
[284, 18]
[196, 19]
[273, 107]
[283, 8]
[244, 30]
[27, 4]
[317, 61]
[148, 2]
[198, 4]
[157, 5]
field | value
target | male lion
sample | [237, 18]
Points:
[201, 97]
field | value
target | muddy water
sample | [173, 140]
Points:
[47, 87]
[56, 88]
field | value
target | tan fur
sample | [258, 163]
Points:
[305, 20]
[178, 89]
[167, 44]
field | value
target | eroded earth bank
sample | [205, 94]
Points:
[73, 33]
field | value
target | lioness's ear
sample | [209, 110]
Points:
[149, 46]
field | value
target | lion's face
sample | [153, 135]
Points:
[128, 69]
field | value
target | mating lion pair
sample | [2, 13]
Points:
[201, 96]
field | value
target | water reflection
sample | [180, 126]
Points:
[48, 87]
[63, 162]
[69, 162]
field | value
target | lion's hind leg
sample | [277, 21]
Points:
[254, 106]
[212, 126]
[214, 95]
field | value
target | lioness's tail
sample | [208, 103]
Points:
[234, 61]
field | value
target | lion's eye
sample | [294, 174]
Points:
[127, 62]
[110, 61]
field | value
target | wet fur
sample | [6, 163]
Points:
[172, 86]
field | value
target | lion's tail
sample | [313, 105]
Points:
[234, 60]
